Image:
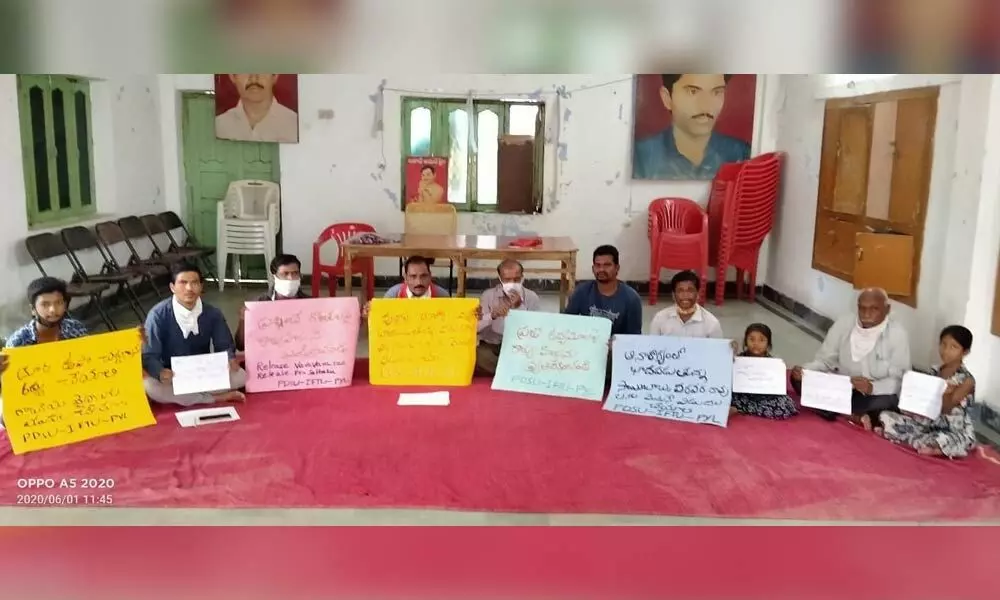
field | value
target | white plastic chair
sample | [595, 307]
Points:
[249, 219]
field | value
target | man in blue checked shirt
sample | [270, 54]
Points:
[49, 302]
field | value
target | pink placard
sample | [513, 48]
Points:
[301, 344]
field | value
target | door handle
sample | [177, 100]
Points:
[859, 253]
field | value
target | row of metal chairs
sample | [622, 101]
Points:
[123, 265]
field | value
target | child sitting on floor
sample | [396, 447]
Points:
[951, 434]
[757, 342]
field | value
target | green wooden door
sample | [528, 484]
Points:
[210, 164]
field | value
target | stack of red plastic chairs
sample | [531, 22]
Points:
[740, 214]
[741, 211]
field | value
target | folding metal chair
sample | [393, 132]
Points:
[45, 246]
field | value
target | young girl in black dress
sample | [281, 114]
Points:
[757, 343]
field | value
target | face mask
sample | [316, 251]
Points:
[287, 287]
[511, 287]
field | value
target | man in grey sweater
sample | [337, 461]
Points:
[873, 350]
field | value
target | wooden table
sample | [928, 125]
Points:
[462, 248]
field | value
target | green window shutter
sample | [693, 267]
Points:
[57, 147]
[443, 114]
[417, 115]
[30, 89]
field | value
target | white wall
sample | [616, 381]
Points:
[341, 172]
[982, 259]
[800, 135]
[959, 261]
[128, 176]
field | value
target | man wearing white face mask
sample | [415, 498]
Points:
[496, 302]
[287, 271]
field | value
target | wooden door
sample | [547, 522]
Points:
[884, 260]
[853, 152]
[516, 166]
[874, 180]
[210, 164]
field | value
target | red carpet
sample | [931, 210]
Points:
[498, 451]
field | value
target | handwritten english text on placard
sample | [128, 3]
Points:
[301, 344]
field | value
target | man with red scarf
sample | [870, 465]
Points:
[417, 283]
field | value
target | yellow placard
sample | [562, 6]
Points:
[61, 393]
[422, 342]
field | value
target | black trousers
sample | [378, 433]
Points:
[861, 404]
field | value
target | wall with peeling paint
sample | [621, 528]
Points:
[944, 285]
[340, 171]
[128, 175]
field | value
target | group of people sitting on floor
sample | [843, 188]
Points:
[869, 346]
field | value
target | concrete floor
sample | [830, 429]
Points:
[791, 343]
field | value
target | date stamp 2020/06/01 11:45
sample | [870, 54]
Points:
[65, 491]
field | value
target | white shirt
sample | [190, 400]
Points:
[702, 324]
[280, 124]
[885, 364]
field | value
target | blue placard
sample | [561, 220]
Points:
[553, 355]
[684, 379]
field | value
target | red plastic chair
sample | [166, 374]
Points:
[678, 239]
[363, 267]
[747, 219]
[719, 196]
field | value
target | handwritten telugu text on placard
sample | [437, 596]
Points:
[422, 342]
[922, 394]
[301, 344]
[827, 391]
[200, 373]
[759, 375]
[684, 379]
[61, 393]
[554, 355]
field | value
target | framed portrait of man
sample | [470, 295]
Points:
[688, 125]
[257, 107]
[426, 180]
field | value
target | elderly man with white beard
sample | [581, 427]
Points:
[871, 348]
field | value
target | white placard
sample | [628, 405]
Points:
[207, 416]
[425, 399]
[200, 373]
[826, 391]
[758, 375]
[921, 394]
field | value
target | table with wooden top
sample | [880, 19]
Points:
[462, 248]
